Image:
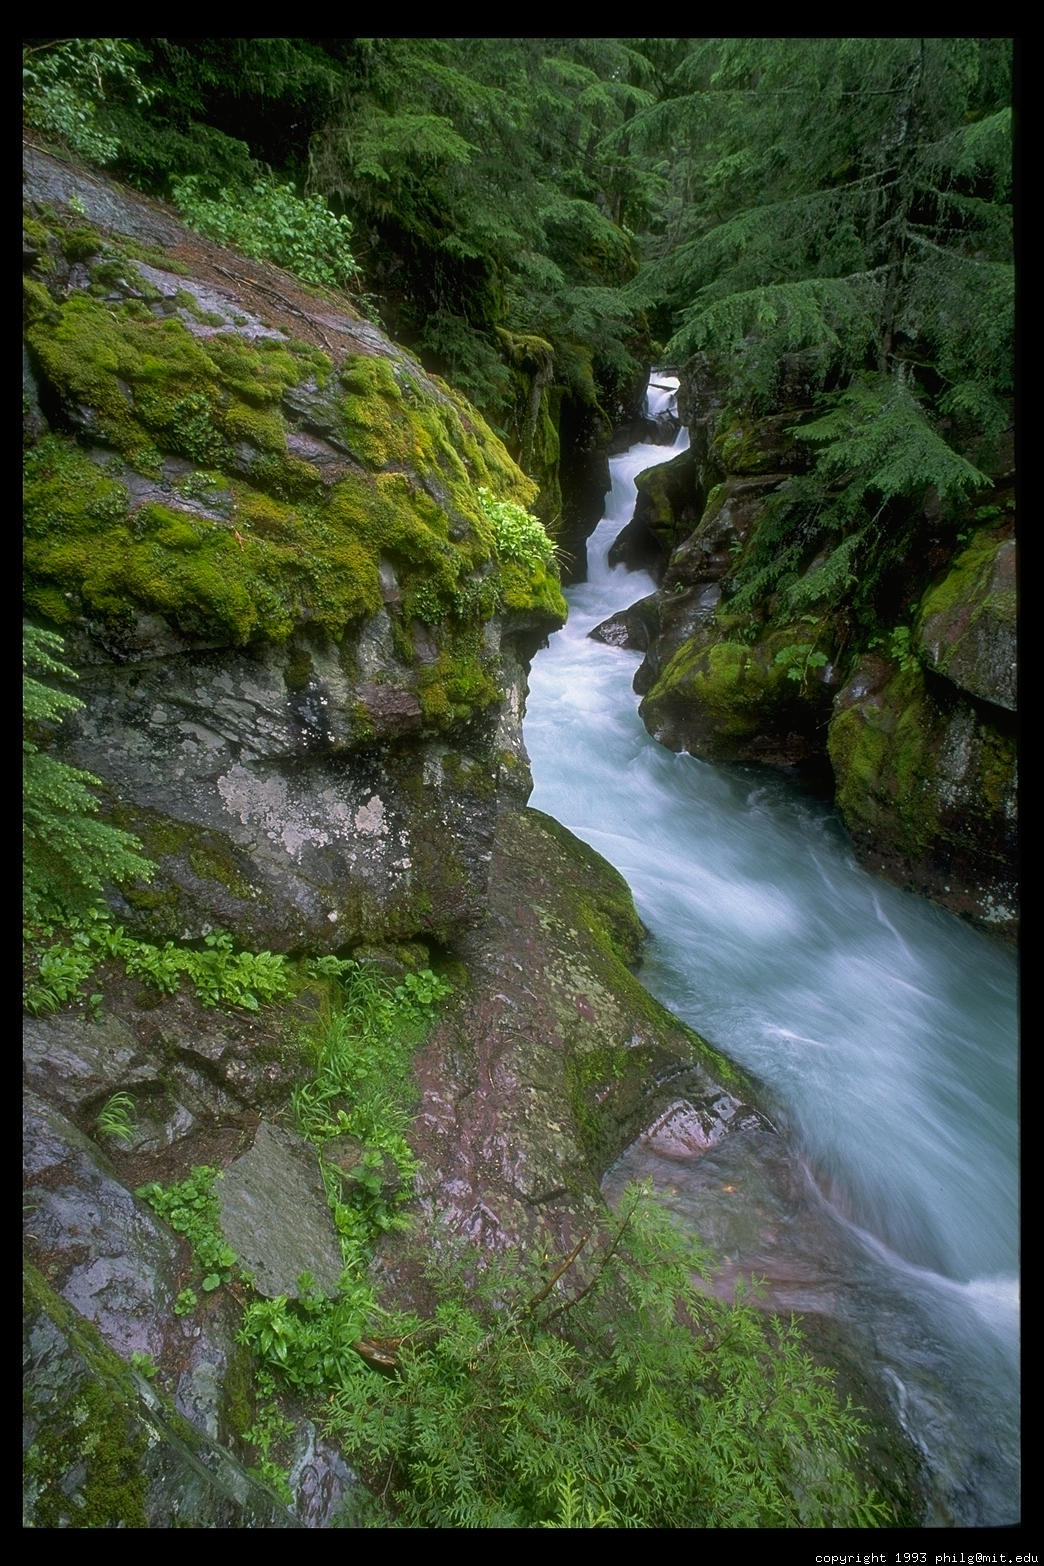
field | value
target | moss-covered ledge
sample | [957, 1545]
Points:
[104, 1449]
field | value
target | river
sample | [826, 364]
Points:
[884, 1028]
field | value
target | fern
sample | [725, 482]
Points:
[69, 856]
[877, 440]
[635, 1401]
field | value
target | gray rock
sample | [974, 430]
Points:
[104, 1449]
[275, 1217]
[968, 624]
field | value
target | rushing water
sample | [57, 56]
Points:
[884, 1027]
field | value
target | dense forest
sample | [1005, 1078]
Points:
[576, 208]
[261, 559]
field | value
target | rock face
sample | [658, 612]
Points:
[258, 525]
[926, 757]
[914, 735]
[146, 1465]
[547, 1066]
[559, 1057]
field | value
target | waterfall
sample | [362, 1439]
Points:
[883, 1026]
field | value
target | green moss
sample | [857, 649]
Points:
[590, 1075]
[80, 242]
[743, 444]
[260, 427]
[881, 753]
[999, 761]
[37, 305]
[210, 854]
[466, 775]
[83, 1469]
[968, 583]
[715, 501]
[83, 550]
[458, 683]
[533, 590]
[111, 275]
[370, 410]
[37, 233]
[736, 683]
[152, 255]
[288, 478]
[297, 671]
[290, 550]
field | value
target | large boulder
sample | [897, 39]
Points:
[557, 1056]
[257, 522]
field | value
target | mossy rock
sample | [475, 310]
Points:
[927, 787]
[131, 378]
[967, 621]
[733, 701]
[106, 1450]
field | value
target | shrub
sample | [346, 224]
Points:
[63, 82]
[518, 534]
[271, 222]
[636, 1400]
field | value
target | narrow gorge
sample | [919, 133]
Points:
[520, 864]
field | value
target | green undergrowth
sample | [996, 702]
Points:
[359, 1097]
[357, 1104]
[599, 1389]
[625, 1397]
[68, 854]
[59, 961]
[191, 1208]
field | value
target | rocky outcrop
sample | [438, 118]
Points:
[258, 525]
[551, 1060]
[558, 1056]
[914, 733]
[966, 621]
[106, 1450]
[136, 1412]
[925, 756]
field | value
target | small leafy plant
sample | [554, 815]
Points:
[798, 659]
[518, 534]
[361, 1088]
[191, 1207]
[64, 80]
[622, 1396]
[144, 1364]
[219, 975]
[900, 647]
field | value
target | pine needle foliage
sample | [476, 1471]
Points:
[844, 204]
[69, 856]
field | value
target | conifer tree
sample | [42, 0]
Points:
[848, 200]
